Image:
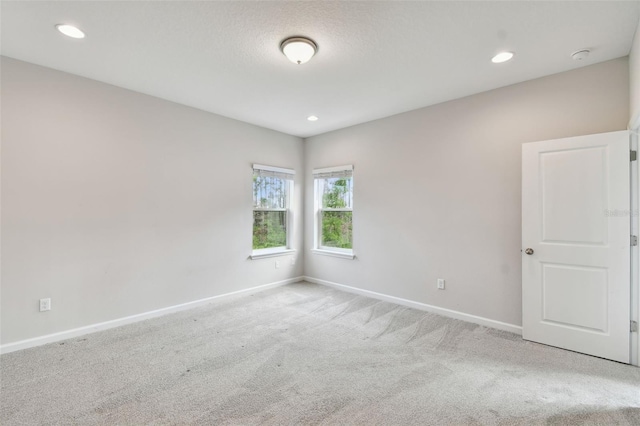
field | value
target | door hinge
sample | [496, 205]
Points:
[634, 241]
[634, 326]
[634, 155]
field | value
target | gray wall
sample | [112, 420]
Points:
[437, 190]
[116, 203]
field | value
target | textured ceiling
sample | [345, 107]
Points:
[375, 59]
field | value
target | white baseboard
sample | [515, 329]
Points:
[68, 334]
[422, 306]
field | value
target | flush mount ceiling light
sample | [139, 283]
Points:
[70, 31]
[298, 49]
[312, 118]
[580, 55]
[502, 57]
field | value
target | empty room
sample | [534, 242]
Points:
[319, 212]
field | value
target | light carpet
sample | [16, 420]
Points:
[309, 354]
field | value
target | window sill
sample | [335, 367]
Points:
[274, 253]
[343, 255]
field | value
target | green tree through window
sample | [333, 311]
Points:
[334, 201]
[270, 209]
[337, 217]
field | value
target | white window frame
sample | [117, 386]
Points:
[288, 175]
[318, 183]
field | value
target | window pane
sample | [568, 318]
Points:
[337, 229]
[269, 192]
[269, 229]
[337, 193]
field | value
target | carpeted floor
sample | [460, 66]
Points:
[309, 354]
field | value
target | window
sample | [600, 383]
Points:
[272, 187]
[334, 211]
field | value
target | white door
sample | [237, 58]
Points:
[576, 244]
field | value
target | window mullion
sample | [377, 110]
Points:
[345, 209]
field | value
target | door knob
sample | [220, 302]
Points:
[529, 251]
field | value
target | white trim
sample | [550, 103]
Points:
[422, 306]
[333, 169]
[634, 124]
[343, 254]
[262, 253]
[68, 334]
[634, 354]
[274, 169]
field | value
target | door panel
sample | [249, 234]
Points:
[576, 283]
[574, 195]
[561, 282]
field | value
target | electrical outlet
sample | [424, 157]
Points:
[293, 260]
[440, 284]
[277, 264]
[45, 305]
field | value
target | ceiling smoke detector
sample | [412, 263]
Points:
[298, 49]
[580, 55]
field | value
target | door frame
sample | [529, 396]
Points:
[634, 132]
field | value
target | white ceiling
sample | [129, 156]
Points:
[375, 59]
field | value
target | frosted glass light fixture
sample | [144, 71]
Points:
[298, 49]
[70, 31]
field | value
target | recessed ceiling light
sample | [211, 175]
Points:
[70, 31]
[298, 49]
[502, 57]
[312, 118]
